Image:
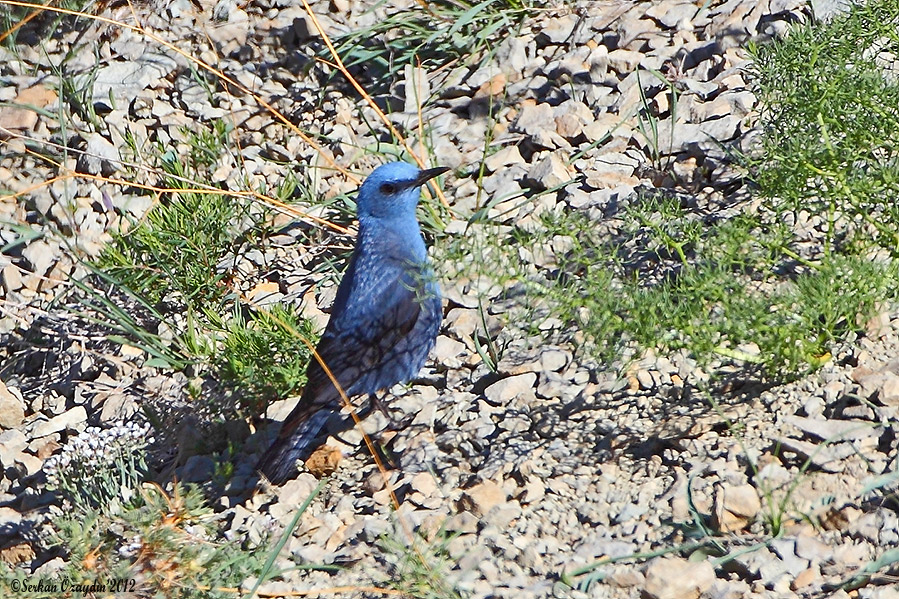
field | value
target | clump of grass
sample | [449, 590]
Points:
[829, 121]
[266, 356]
[756, 287]
[205, 145]
[164, 545]
[421, 568]
[173, 269]
[115, 526]
[142, 538]
[669, 285]
[431, 36]
[174, 253]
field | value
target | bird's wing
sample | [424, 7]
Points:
[353, 348]
[356, 341]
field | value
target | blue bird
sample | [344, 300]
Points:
[384, 320]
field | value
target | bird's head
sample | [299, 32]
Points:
[393, 190]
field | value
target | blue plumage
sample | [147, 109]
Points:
[384, 320]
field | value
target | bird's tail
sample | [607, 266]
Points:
[295, 442]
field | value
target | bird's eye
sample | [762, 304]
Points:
[387, 188]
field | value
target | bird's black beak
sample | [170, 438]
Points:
[428, 174]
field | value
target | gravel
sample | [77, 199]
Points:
[537, 467]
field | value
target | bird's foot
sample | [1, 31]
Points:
[393, 423]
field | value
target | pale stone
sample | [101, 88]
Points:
[12, 408]
[735, 507]
[501, 392]
[551, 171]
[677, 578]
[480, 498]
[67, 420]
[504, 157]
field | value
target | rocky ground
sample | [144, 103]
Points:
[528, 472]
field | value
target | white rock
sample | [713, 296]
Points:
[827, 457]
[118, 406]
[12, 442]
[677, 578]
[482, 497]
[605, 126]
[704, 136]
[703, 89]
[9, 518]
[504, 157]
[100, 156]
[885, 384]
[12, 407]
[295, 492]
[671, 14]
[463, 522]
[502, 392]
[512, 56]
[535, 118]
[554, 359]
[67, 420]
[624, 61]
[551, 171]
[40, 255]
[28, 463]
[503, 514]
[447, 351]
[424, 483]
[571, 118]
[833, 430]
[735, 507]
[11, 278]
[462, 322]
[124, 79]
[560, 29]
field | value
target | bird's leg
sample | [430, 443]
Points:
[380, 406]
[373, 403]
[393, 423]
[376, 403]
